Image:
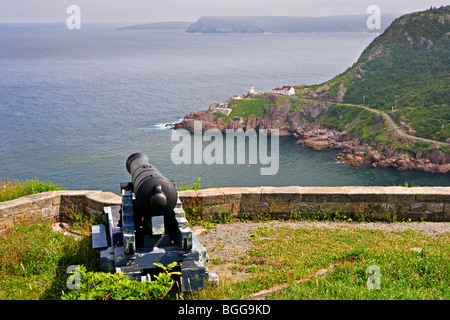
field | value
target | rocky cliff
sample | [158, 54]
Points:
[305, 125]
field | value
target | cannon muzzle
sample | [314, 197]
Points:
[155, 194]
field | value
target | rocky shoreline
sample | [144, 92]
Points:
[305, 126]
[355, 153]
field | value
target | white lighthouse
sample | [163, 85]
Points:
[252, 90]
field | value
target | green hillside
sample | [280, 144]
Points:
[408, 68]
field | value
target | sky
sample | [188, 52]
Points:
[146, 11]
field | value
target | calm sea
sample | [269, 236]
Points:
[75, 104]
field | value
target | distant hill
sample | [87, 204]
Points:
[408, 68]
[284, 24]
[269, 24]
[175, 25]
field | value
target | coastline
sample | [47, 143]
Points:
[304, 125]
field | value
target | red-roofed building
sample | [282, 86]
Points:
[286, 90]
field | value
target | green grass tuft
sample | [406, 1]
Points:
[14, 189]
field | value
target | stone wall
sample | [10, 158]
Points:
[53, 206]
[427, 203]
[378, 203]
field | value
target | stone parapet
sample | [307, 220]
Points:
[53, 206]
[377, 203]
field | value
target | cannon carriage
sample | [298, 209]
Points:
[150, 227]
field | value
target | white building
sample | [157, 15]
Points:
[286, 90]
[252, 90]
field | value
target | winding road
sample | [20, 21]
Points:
[389, 121]
[396, 128]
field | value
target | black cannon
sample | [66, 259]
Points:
[155, 194]
[150, 227]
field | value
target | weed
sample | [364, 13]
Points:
[342, 216]
[295, 214]
[261, 216]
[194, 214]
[363, 215]
[107, 286]
[196, 186]
[224, 216]
[77, 219]
[389, 217]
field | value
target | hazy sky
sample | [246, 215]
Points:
[191, 10]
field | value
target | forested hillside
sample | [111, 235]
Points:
[405, 70]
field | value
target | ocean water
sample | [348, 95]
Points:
[74, 104]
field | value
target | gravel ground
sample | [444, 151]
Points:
[229, 241]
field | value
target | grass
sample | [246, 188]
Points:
[34, 260]
[246, 108]
[291, 258]
[13, 189]
[428, 121]
[34, 263]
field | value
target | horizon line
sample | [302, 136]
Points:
[218, 16]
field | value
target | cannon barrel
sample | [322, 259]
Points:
[154, 193]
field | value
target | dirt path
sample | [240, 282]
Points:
[396, 128]
[391, 123]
